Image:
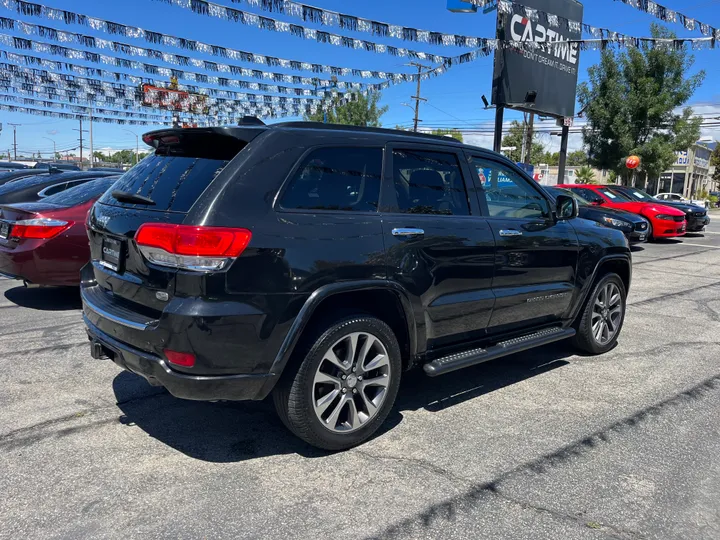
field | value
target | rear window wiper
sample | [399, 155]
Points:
[133, 198]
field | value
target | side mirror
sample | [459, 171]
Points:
[566, 207]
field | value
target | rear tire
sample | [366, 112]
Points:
[602, 317]
[345, 385]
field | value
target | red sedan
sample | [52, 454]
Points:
[665, 222]
[46, 242]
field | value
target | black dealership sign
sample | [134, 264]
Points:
[549, 70]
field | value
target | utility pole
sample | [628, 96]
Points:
[15, 126]
[417, 97]
[528, 139]
[81, 130]
[92, 157]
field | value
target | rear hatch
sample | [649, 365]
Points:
[185, 163]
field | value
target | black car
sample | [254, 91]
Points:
[11, 166]
[319, 262]
[39, 186]
[10, 176]
[695, 216]
[634, 227]
[60, 165]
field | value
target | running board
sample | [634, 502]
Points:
[504, 348]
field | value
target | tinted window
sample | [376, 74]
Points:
[614, 196]
[507, 193]
[174, 183]
[429, 183]
[82, 193]
[588, 194]
[54, 189]
[554, 192]
[345, 179]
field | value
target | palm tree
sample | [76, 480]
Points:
[585, 175]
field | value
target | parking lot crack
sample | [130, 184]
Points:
[418, 462]
[580, 519]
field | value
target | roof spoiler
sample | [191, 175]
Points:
[250, 121]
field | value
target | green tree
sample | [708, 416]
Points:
[585, 175]
[454, 133]
[576, 158]
[715, 161]
[630, 103]
[58, 155]
[359, 111]
[515, 136]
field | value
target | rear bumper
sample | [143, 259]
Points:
[26, 265]
[158, 373]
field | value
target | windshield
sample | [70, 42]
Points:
[614, 196]
[559, 191]
[636, 194]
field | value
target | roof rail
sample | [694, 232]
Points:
[345, 127]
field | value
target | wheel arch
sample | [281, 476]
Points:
[618, 263]
[369, 296]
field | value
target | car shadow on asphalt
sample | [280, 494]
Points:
[224, 432]
[46, 298]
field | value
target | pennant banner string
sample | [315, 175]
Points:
[78, 54]
[203, 8]
[185, 44]
[326, 17]
[74, 96]
[646, 6]
[41, 47]
[19, 99]
[181, 60]
[120, 121]
[92, 81]
[118, 91]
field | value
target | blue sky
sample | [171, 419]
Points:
[454, 98]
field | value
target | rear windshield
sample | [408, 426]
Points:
[177, 173]
[173, 183]
[83, 193]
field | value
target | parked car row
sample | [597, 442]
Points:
[666, 218]
[317, 263]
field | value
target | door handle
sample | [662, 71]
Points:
[407, 232]
[510, 232]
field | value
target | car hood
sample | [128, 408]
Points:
[598, 212]
[682, 206]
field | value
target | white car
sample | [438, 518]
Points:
[679, 198]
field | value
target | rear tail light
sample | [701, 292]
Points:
[40, 228]
[180, 358]
[189, 247]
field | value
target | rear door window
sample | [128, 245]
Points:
[428, 182]
[339, 178]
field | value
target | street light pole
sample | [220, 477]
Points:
[54, 147]
[137, 145]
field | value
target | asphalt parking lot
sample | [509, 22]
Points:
[540, 445]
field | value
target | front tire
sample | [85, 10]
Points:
[603, 316]
[345, 385]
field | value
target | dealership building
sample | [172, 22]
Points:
[689, 174]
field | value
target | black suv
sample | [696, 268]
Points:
[319, 262]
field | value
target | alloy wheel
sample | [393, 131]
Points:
[607, 314]
[351, 382]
